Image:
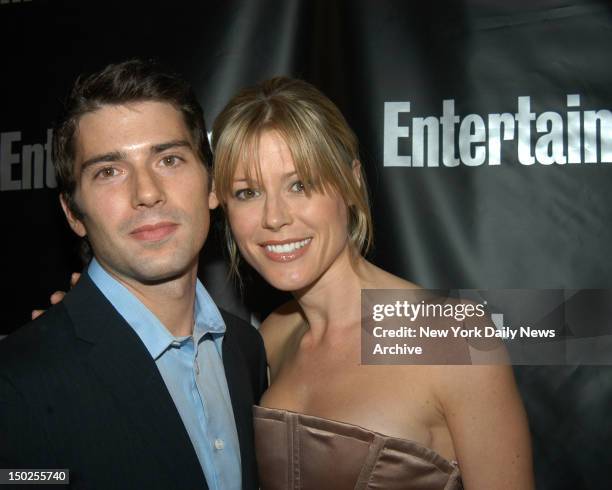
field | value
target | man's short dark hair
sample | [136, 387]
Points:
[122, 83]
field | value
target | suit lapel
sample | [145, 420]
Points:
[125, 367]
[240, 390]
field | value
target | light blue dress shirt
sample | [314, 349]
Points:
[192, 368]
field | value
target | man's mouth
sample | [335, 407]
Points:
[154, 232]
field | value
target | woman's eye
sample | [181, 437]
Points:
[246, 194]
[298, 186]
[106, 173]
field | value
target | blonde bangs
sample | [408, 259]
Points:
[235, 144]
[320, 165]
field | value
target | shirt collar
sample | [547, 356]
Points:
[147, 326]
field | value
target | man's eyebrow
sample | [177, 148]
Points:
[113, 156]
[116, 156]
[161, 147]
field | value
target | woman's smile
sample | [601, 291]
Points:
[287, 250]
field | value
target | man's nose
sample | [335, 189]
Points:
[276, 213]
[148, 189]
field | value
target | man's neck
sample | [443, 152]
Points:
[172, 302]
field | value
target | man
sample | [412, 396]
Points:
[135, 380]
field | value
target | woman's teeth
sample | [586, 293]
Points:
[287, 247]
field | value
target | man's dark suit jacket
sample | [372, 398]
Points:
[79, 390]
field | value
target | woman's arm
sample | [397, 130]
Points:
[58, 296]
[488, 425]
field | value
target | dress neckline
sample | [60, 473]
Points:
[359, 432]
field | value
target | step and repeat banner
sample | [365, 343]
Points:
[486, 138]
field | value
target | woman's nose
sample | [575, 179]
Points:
[276, 213]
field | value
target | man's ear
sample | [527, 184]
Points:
[356, 167]
[76, 224]
[213, 200]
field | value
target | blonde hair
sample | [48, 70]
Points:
[322, 145]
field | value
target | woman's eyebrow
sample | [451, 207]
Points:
[284, 176]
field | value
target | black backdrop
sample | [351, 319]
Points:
[451, 211]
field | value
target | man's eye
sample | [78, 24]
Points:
[246, 194]
[170, 161]
[106, 173]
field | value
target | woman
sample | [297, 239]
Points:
[288, 175]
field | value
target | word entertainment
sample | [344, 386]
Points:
[573, 137]
[24, 167]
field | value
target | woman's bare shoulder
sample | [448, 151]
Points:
[373, 277]
[285, 315]
[279, 328]
[487, 420]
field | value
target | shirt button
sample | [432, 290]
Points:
[219, 444]
[176, 343]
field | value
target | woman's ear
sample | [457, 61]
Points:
[213, 200]
[356, 167]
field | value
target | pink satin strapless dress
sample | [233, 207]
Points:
[296, 451]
